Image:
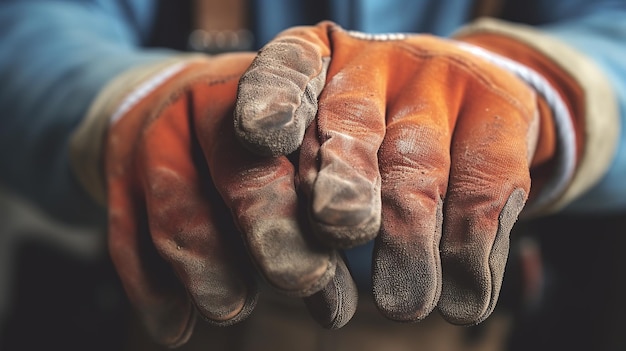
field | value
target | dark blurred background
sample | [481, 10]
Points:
[564, 287]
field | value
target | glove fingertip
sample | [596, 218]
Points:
[277, 97]
[470, 287]
[227, 314]
[345, 208]
[334, 306]
[406, 288]
[264, 126]
[169, 324]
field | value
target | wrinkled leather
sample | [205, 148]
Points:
[413, 142]
[181, 189]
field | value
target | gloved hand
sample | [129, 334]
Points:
[179, 189]
[424, 143]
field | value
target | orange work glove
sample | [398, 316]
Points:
[425, 143]
[176, 182]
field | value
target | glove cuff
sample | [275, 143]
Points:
[555, 111]
[588, 98]
[112, 103]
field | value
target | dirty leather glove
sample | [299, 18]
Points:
[424, 143]
[179, 190]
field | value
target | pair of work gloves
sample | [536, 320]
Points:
[219, 170]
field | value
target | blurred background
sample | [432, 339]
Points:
[564, 289]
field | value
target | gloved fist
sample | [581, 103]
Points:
[180, 188]
[414, 140]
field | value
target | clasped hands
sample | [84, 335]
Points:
[339, 138]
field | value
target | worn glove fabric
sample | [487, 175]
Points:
[415, 140]
[179, 189]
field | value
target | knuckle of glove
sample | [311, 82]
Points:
[277, 97]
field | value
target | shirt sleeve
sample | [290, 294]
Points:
[54, 58]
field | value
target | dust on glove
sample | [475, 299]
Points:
[193, 215]
[417, 141]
